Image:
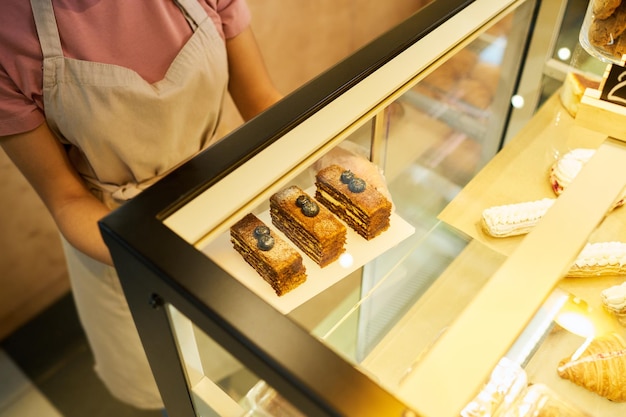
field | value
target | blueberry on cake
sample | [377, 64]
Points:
[271, 256]
[309, 225]
[361, 206]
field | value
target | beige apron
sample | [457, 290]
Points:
[124, 133]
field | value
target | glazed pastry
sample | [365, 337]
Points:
[514, 219]
[600, 259]
[601, 368]
[614, 301]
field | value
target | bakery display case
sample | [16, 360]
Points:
[441, 307]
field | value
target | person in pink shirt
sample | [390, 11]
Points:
[98, 100]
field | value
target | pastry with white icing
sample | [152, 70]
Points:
[566, 168]
[514, 219]
[600, 259]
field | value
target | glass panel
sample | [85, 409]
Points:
[568, 54]
[219, 384]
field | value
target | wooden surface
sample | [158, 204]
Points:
[520, 172]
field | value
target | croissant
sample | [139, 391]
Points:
[600, 369]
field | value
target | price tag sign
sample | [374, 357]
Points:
[614, 85]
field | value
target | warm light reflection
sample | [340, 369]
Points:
[346, 260]
[564, 54]
[517, 101]
[576, 323]
[577, 317]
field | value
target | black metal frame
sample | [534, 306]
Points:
[157, 267]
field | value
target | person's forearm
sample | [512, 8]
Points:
[44, 163]
[77, 220]
[249, 85]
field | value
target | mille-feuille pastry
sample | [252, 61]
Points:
[272, 257]
[601, 368]
[309, 225]
[600, 259]
[355, 201]
[514, 219]
[614, 301]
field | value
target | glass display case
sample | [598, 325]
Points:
[435, 316]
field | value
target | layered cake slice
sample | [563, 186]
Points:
[362, 207]
[271, 256]
[311, 226]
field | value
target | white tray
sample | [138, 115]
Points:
[319, 279]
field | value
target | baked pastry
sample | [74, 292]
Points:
[352, 199]
[604, 8]
[540, 401]
[573, 90]
[505, 384]
[514, 219]
[311, 226]
[607, 26]
[614, 301]
[271, 256]
[566, 168]
[600, 259]
[601, 368]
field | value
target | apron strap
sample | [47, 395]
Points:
[47, 28]
[193, 12]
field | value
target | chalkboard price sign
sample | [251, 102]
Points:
[614, 88]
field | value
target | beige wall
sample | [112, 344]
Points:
[299, 40]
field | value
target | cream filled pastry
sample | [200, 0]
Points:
[614, 300]
[600, 259]
[566, 168]
[514, 219]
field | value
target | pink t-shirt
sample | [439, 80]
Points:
[143, 35]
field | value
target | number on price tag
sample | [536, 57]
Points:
[614, 86]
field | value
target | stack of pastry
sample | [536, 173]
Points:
[311, 226]
[601, 368]
[278, 263]
[365, 209]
